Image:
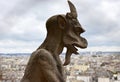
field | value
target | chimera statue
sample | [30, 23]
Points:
[44, 64]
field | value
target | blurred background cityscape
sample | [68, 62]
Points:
[85, 67]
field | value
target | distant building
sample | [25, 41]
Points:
[0, 75]
[81, 68]
[118, 76]
[104, 80]
[116, 81]
[84, 78]
[77, 81]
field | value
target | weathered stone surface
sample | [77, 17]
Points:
[62, 31]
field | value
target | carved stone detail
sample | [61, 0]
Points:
[62, 31]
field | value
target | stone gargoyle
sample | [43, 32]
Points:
[44, 64]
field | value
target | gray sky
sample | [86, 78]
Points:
[22, 23]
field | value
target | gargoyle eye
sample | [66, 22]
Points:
[74, 20]
[77, 29]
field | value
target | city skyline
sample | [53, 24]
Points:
[22, 23]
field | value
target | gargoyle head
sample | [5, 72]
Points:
[71, 30]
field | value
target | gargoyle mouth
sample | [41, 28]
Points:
[74, 49]
[81, 43]
[70, 49]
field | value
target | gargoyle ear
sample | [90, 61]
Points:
[61, 22]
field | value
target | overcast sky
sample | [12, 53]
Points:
[22, 23]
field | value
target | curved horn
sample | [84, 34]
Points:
[72, 9]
